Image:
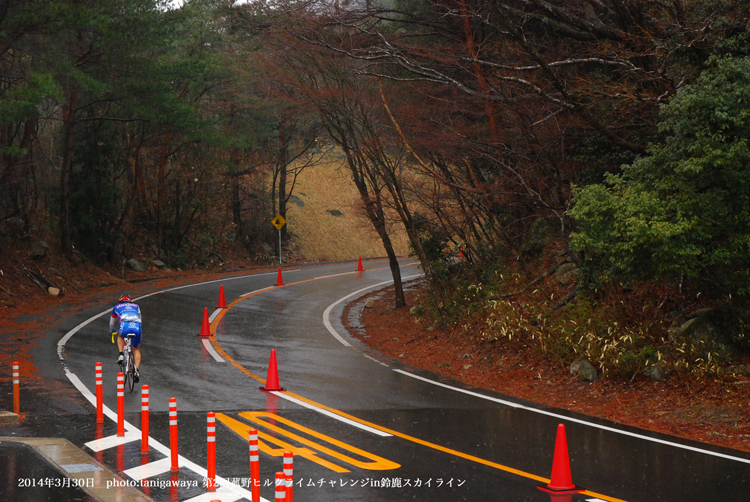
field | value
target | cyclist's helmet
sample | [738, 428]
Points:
[124, 299]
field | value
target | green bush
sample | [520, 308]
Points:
[684, 210]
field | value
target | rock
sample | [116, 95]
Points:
[541, 233]
[158, 263]
[740, 369]
[416, 310]
[53, 291]
[370, 304]
[39, 249]
[293, 199]
[567, 273]
[699, 312]
[657, 372]
[136, 265]
[266, 248]
[584, 369]
[708, 332]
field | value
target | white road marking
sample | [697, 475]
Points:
[149, 470]
[212, 351]
[64, 340]
[327, 313]
[131, 430]
[575, 420]
[221, 493]
[215, 313]
[379, 362]
[330, 414]
[112, 441]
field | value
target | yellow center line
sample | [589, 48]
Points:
[428, 444]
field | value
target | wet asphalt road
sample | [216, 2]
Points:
[425, 441]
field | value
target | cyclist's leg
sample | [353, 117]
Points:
[136, 341]
[136, 361]
[120, 344]
[120, 340]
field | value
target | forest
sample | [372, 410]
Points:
[571, 173]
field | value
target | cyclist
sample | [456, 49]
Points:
[126, 319]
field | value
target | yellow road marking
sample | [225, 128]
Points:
[433, 446]
[376, 463]
[243, 428]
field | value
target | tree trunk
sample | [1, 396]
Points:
[239, 230]
[69, 112]
[160, 193]
[283, 161]
[374, 211]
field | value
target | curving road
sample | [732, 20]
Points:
[362, 427]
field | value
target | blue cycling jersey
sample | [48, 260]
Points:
[126, 318]
[122, 312]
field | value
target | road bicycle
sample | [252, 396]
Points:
[127, 365]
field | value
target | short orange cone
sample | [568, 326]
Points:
[359, 266]
[279, 280]
[561, 479]
[205, 328]
[272, 380]
[222, 302]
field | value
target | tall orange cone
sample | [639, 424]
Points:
[272, 380]
[279, 280]
[359, 266]
[222, 302]
[205, 327]
[561, 479]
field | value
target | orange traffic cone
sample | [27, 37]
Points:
[558, 497]
[359, 266]
[279, 280]
[222, 302]
[561, 480]
[272, 380]
[205, 328]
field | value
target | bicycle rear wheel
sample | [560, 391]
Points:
[130, 376]
[125, 365]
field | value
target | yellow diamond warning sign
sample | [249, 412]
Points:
[278, 221]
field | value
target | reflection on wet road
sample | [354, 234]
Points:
[362, 427]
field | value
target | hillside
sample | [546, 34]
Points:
[326, 219]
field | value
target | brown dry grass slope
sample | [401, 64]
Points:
[327, 220]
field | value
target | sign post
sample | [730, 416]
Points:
[279, 223]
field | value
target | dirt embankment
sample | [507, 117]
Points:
[710, 410]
